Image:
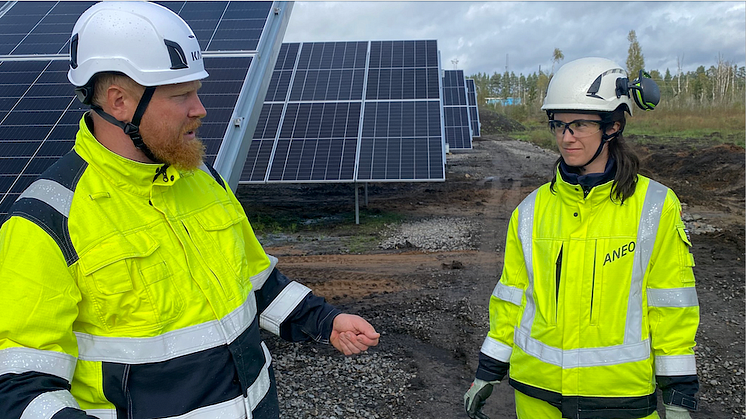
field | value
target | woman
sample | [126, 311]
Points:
[596, 302]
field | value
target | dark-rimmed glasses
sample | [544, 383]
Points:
[578, 128]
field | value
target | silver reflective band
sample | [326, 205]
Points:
[46, 405]
[583, 357]
[20, 360]
[102, 413]
[171, 344]
[496, 350]
[281, 307]
[525, 234]
[650, 216]
[231, 409]
[259, 388]
[673, 297]
[507, 293]
[258, 280]
[52, 193]
[675, 365]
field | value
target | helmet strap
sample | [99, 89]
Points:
[133, 128]
[605, 138]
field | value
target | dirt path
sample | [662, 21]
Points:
[431, 307]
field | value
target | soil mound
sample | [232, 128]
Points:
[495, 122]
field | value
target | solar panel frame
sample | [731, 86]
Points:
[317, 68]
[456, 111]
[476, 127]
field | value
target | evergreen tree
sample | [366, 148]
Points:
[635, 59]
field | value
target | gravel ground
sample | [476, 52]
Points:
[370, 385]
[444, 234]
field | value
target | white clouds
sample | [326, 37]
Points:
[482, 34]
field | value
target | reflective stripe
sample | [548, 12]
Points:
[231, 409]
[260, 387]
[20, 360]
[507, 293]
[496, 350]
[171, 344]
[675, 365]
[525, 234]
[672, 297]
[258, 280]
[281, 307]
[650, 216]
[55, 195]
[582, 357]
[102, 413]
[46, 405]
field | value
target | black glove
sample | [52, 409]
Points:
[476, 397]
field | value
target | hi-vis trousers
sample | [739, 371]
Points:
[527, 407]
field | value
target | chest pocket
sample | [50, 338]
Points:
[221, 233]
[129, 284]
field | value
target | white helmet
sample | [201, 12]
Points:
[588, 84]
[146, 41]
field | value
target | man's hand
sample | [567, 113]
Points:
[476, 397]
[352, 334]
[676, 412]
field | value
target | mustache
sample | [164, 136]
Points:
[193, 126]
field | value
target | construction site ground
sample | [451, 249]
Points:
[429, 299]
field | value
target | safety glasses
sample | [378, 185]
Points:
[578, 128]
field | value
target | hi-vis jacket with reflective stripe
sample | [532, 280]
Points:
[129, 291]
[596, 300]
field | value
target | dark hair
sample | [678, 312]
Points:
[627, 162]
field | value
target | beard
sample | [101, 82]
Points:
[169, 146]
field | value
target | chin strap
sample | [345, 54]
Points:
[605, 138]
[133, 128]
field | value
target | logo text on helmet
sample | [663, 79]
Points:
[196, 55]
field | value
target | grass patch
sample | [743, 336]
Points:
[724, 125]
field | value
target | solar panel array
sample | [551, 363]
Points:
[456, 110]
[350, 112]
[473, 109]
[39, 113]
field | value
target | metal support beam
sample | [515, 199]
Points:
[357, 206]
[366, 194]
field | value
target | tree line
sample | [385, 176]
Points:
[722, 84]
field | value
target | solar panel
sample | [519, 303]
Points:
[350, 111]
[455, 110]
[473, 108]
[39, 113]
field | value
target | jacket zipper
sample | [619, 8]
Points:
[558, 274]
[126, 390]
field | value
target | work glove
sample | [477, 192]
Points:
[676, 412]
[476, 397]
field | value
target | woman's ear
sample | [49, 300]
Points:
[614, 128]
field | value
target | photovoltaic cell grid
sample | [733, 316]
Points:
[473, 109]
[456, 110]
[39, 113]
[309, 129]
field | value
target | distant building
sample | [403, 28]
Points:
[504, 101]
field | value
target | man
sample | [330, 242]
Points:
[132, 283]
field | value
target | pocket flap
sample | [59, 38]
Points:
[219, 217]
[117, 248]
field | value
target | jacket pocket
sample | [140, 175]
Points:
[219, 231]
[129, 284]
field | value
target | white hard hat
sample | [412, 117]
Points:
[588, 84]
[146, 41]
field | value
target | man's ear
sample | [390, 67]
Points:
[121, 102]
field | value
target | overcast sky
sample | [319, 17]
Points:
[487, 36]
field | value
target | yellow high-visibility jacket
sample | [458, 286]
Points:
[596, 302]
[131, 290]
